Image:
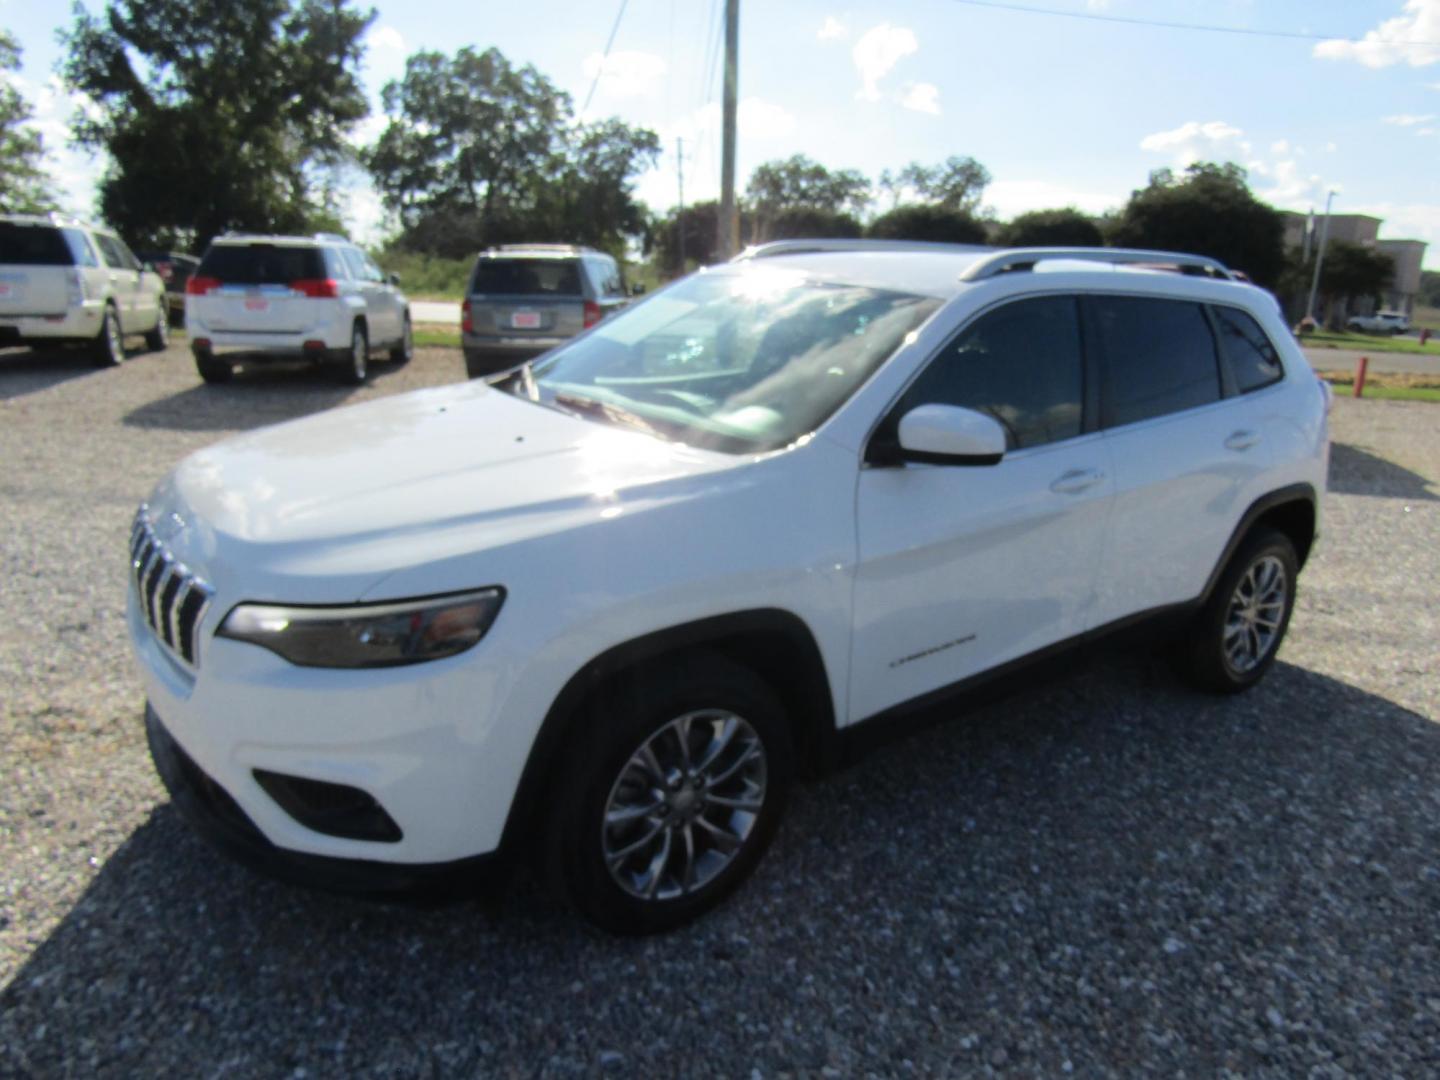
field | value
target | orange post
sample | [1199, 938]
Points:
[1361, 366]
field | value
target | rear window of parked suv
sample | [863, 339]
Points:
[526, 277]
[42, 245]
[262, 264]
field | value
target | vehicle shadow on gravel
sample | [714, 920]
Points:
[1110, 872]
[1354, 471]
[28, 371]
[255, 397]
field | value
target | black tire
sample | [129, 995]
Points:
[600, 762]
[475, 366]
[354, 366]
[212, 369]
[1202, 655]
[404, 349]
[109, 347]
[158, 339]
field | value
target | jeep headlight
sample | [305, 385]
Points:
[367, 635]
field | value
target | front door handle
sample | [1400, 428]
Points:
[1076, 481]
[1242, 440]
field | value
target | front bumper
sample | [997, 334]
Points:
[210, 810]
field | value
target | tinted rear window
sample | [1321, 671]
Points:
[262, 264]
[526, 277]
[1253, 359]
[33, 245]
[1159, 357]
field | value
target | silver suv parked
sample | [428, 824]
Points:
[63, 282]
[524, 299]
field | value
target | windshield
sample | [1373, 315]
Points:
[736, 361]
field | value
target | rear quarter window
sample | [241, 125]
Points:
[262, 264]
[526, 277]
[33, 245]
[1159, 357]
[1253, 359]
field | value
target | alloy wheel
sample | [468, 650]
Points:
[1256, 611]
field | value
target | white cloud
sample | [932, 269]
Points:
[879, 49]
[1407, 119]
[1407, 221]
[1331, 147]
[386, 37]
[832, 29]
[1425, 131]
[755, 118]
[1412, 37]
[1280, 146]
[626, 74]
[1214, 131]
[75, 172]
[1277, 177]
[922, 97]
[1011, 197]
[368, 130]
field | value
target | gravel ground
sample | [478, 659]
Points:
[1109, 875]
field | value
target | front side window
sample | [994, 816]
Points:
[1159, 357]
[1021, 364]
[1253, 360]
[741, 360]
[80, 248]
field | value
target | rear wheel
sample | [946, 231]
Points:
[404, 349]
[1233, 641]
[109, 347]
[212, 369]
[355, 368]
[669, 796]
[159, 338]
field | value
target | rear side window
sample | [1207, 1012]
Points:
[1020, 364]
[335, 265]
[33, 245]
[1159, 357]
[1253, 360]
[113, 253]
[80, 249]
[262, 264]
[526, 277]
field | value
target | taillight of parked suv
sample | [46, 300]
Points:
[592, 313]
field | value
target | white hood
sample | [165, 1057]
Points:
[321, 509]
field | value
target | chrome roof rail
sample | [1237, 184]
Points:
[1004, 262]
[772, 248]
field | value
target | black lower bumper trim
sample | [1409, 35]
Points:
[218, 818]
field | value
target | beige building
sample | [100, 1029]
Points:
[1365, 230]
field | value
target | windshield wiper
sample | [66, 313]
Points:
[523, 377]
[605, 410]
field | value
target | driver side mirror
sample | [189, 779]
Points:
[394, 279]
[951, 435]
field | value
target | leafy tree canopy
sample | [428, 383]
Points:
[217, 115]
[1353, 270]
[480, 151]
[1051, 228]
[926, 222]
[957, 183]
[1207, 211]
[24, 185]
[801, 182]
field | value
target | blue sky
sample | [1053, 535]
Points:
[1063, 111]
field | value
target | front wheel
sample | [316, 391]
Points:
[404, 349]
[669, 796]
[159, 338]
[1233, 641]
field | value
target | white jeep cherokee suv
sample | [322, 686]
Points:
[63, 282]
[608, 607]
[286, 297]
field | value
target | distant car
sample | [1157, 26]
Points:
[524, 299]
[175, 270]
[1382, 322]
[289, 297]
[63, 282]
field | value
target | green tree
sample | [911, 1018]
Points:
[220, 114]
[1051, 228]
[1208, 211]
[957, 183]
[925, 222]
[1354, 272]
[800, 183]
[24, 185]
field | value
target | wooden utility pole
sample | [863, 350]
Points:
[727, 240]
[680, 217]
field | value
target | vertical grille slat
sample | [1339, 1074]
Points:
[170, 596]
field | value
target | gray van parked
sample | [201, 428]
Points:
[524, 299]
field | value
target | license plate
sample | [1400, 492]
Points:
[256, 303]
[525, 320]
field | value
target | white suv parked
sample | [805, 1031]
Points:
[604, 610]
[1382, 322]
[286, 297]
[63, 282]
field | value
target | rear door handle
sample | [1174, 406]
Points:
[1242, 440]
[1076, 480]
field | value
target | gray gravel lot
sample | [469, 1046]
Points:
[1109, 875]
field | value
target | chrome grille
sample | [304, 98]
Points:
[172, 598]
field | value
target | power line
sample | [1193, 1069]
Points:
[1095, 16]
[606, 56]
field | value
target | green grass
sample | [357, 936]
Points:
[425, 277]
[1344, 387]
[1370, 343]
[437, 339]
